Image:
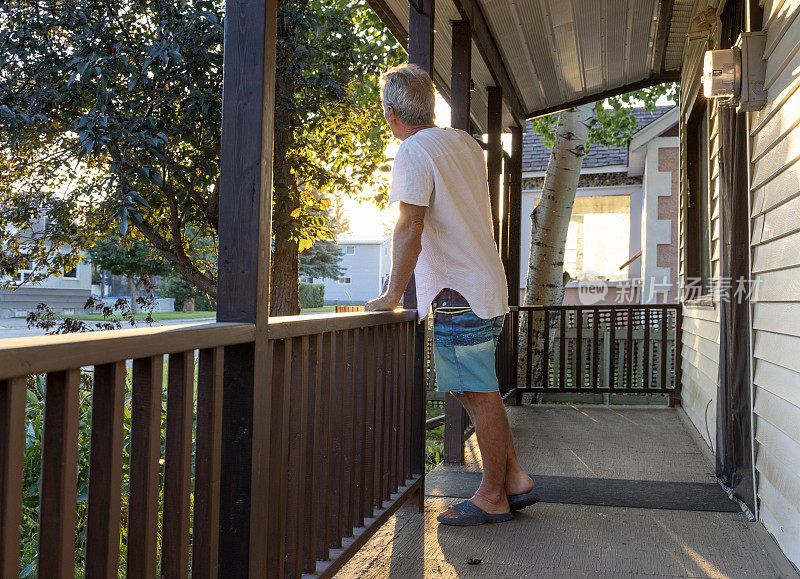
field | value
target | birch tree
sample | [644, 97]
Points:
[571, 132]
[550, 220]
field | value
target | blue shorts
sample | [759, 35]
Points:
[463, 346]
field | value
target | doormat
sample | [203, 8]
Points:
[646, 494]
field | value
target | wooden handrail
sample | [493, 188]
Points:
[40, 354]
[293, 326]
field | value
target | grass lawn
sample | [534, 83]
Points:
[322, 309]
[158, 316]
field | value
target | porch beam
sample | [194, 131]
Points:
[248, 103]
[494, 156]
[669, 76]
[471, 11]
[662, 34]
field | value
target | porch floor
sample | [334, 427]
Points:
[585, 459]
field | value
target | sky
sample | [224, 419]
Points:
[366, 220]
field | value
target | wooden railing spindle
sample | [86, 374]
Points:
[315, 516]
[377, 481]
[371, 378]
[178, 465]
[345, 393]
[295, 472]
[279, 453]
[335, 455]
[12, 455]
[205, 528]
[562, 346]
[144, 468]
[359, 430]
[105, 471]
[325, 463]
[59, 475]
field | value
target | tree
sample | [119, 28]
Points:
[321, 260]
[570, 133]
[131, 259]
[110, 119]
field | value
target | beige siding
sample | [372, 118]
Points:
[775, 259]
[700, 336]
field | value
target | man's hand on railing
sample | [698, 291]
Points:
[384, 303]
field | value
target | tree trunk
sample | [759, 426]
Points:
[285, 276]
[188, 305]
[134, 290]
[285, 262]
[550, 221]
[102, 284]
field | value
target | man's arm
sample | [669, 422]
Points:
[406, 245]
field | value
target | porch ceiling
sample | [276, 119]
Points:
[556, 53]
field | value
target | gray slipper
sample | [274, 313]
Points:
[520, 501]
[470, 514]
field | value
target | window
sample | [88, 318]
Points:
[349, 249]
[24, 271]
[698, 208]
[344, 280]
[71, 273]
[598, 238]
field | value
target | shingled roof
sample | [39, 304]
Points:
[536, 154]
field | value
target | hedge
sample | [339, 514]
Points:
[312, 295]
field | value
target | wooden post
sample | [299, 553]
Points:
[494, 156]
[420, 33]
[461, 75]
[454, 419]
[514, 216]
[420, 52]
[505, 192]
[243, 288]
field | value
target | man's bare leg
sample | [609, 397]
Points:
[491, 428]
[517, 480]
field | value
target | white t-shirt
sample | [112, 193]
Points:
[444, 169]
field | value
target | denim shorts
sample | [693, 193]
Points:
[463, 345]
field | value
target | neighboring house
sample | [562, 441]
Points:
[366, 264]
[625, 212]
[65, 294]
[740, 187]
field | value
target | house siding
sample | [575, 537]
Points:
[700, 327]
[775, 264]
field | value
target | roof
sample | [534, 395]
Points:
[536, 155]
[548, 55]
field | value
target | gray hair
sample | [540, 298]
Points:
[409, 91]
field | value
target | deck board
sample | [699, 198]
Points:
[576, 540]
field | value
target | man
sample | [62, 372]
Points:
[444, 235]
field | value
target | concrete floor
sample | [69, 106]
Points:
[554, 539]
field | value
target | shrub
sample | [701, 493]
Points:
[312, 295]
[177, 287]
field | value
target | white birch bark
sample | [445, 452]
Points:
[550, 221]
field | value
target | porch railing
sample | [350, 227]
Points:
[618, 349]
[345, 420]
[602, 349]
